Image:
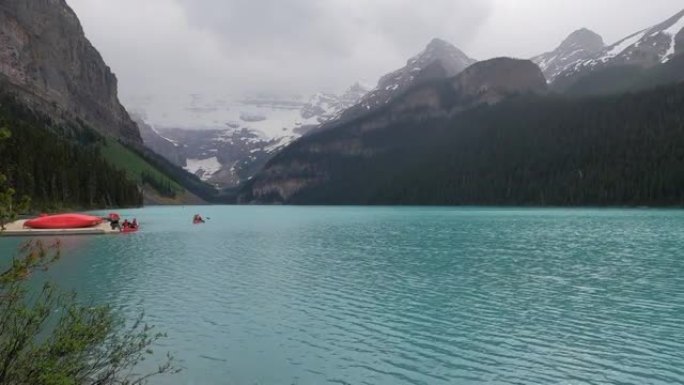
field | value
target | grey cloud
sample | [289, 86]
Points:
[409, 26]
[247, 26]
[305, 40]
[330, 24]
[166, 47]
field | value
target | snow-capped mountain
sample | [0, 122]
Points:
[225, 142]
[439, 59]
[326, 107]
[580, 45]
[451, 60]
[646, 48]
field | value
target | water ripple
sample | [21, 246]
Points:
[284, 295]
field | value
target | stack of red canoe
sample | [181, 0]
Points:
[63, 221]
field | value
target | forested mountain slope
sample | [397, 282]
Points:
[526, 150]
[59, 165]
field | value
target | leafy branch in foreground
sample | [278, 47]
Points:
[49, 338]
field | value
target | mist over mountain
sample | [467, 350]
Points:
[439, 60]
[239, 139]
[363, 156]
[226, 143]
[313, 164]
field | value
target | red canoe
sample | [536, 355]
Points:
[63, 221]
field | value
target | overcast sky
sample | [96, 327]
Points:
[161, 47]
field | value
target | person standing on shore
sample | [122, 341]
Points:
[114, 221]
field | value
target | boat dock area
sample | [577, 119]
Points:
[17, 229]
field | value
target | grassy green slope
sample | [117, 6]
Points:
[145, 167]
[135, 166]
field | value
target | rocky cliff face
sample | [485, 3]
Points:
[46, 59]
[159, 144]
[306, 164]
[581, 45]
[492, 80]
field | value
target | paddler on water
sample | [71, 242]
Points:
[126, 225]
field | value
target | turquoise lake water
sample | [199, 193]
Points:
[315, 295]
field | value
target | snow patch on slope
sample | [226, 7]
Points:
[278, 144]
[645, 48]
[672, 33]
[175, 143]
[204, 168]
[621, 46]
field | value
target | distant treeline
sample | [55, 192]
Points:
[531, 150]
[59, 165]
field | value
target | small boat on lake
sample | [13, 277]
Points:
[197, 219]
[129, 229]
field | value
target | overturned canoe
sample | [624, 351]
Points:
[63, 221]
